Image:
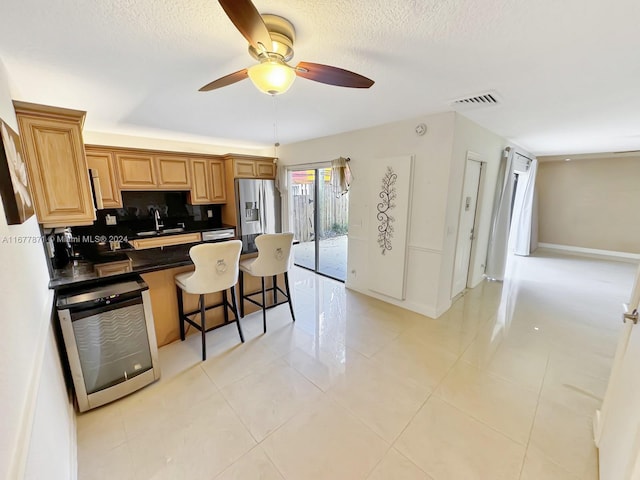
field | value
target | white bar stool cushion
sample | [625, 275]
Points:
[274, 258]
[216, 271]
[216, 267]
[274, 252]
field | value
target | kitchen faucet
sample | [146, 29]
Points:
[156, 218]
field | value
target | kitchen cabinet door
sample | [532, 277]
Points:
[173, 173]
[166, 241]
[135, 171]
[265, 169]
[103, 162]
[218, 191]
[56, 164]
[253, 167]
[201, 182]
[208, 181]
[244, 168]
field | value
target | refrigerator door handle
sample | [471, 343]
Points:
[263, 204]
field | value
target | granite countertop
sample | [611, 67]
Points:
[82, 273]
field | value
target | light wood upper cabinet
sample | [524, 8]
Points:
[252, 167]
[142, 170]
[208, 182]
[265, 169]
[173, 172]
[103, 161]
[218, 191]
[201, 185]
[56, 163]
[244, 168]
[135, 171]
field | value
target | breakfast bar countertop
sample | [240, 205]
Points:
[82, 273]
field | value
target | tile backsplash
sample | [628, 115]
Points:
[138, 208]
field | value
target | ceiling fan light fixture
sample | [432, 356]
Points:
[271, 76]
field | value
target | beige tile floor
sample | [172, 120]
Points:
[502, 386]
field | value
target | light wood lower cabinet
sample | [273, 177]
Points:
[164, 303]
[57, 167]
[112, 268]
[103, 162]
[165, 241]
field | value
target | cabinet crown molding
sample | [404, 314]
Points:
[49, 112]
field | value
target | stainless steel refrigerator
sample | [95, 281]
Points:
[258, 206]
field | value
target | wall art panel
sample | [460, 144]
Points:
[391, 188]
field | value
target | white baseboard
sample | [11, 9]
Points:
[592, 252]
[17, 467]
[422, 309]
[73, 441]
[597, 428]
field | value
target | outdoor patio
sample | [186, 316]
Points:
[333, 256]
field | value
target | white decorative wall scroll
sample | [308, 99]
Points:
[390, 202]
[385, 207]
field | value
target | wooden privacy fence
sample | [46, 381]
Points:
[333, 212]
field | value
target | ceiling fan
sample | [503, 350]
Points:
[271, 40]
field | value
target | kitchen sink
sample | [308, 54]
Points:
[151, 233]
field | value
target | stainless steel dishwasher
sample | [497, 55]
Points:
[110, 340]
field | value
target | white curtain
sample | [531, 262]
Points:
[499, 239]
[340, 175]
[282, 180]
[514, 226]
[524, 227]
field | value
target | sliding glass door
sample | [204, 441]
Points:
[303, 203]
[319, 220]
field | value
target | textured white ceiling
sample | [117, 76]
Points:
[568, 72]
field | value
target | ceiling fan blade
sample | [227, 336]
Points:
[247, 19]
[332, 75]
[226, 80]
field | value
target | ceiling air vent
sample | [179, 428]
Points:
[485, 99]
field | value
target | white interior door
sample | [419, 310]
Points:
[466, 225]
[620, 443]
[617, 430]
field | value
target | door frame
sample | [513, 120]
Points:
[316, 216]
[474, 157]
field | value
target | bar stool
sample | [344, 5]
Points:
[274, 255]
[216, 271]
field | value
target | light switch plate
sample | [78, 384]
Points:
[111, 220]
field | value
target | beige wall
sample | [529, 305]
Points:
[439, 162]
[590, 203]
[154, 143]
[37, 436]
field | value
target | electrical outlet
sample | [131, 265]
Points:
[111, 220]
[210, 213]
